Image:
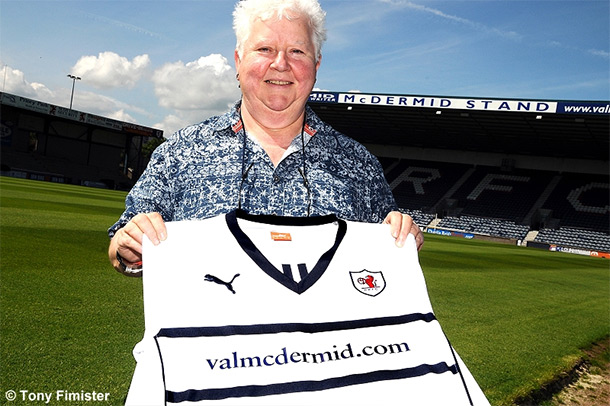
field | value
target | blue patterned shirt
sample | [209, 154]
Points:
[197, 173]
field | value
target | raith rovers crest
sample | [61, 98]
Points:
[367, 282]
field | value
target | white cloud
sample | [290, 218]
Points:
[99, 104]
[207, 84]
[182, 118]
[13, 81]
[121, 115]
[594, 52]
[194, 91]
[600, 52]
[190, 93]
[171, 124]
[110, 70]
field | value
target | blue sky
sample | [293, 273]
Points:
[169, 63]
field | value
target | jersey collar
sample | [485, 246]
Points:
[259, 258]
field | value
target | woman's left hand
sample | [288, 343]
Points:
[401, 225]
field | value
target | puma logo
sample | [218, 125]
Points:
[229, 285]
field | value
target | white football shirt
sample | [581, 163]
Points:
[243, 309]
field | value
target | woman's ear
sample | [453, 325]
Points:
[237, 60]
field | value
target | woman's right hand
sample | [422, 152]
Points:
[127, 241]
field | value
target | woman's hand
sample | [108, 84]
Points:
[127, 241]
[400, 227]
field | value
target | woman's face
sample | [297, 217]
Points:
[277, 71]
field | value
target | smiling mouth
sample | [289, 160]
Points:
[277, 82]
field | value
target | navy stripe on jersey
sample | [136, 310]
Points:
[302, 271]
[287, 271]
[195, 395]
[293, 327]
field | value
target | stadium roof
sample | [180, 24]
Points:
[77, 116]
[560, 129]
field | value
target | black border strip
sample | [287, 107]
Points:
[292, 327]
[459, 370]
[194, 395]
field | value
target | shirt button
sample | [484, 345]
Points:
[276, 179]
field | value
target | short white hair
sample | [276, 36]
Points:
[247, 11]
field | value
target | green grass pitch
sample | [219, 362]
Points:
[68, 321]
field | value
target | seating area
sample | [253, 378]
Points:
[581, 201]
[571, 209]
[421, 219]
[485, 226]
[489, 192]
[421, 184]
[576, 238]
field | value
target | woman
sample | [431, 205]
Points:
[269, 155]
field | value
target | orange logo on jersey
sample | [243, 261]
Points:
[369, 283]
[275, 236]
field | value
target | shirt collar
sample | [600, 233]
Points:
[232, 119]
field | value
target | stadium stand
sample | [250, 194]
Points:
[42, 141]
[579, 205]
[508, 168]
[570, 209]
[485, 226]
[508, 196]
[421, 219]
[576, 238]
[419, 184]
[581, 201]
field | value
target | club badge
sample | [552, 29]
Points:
[369, 283]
